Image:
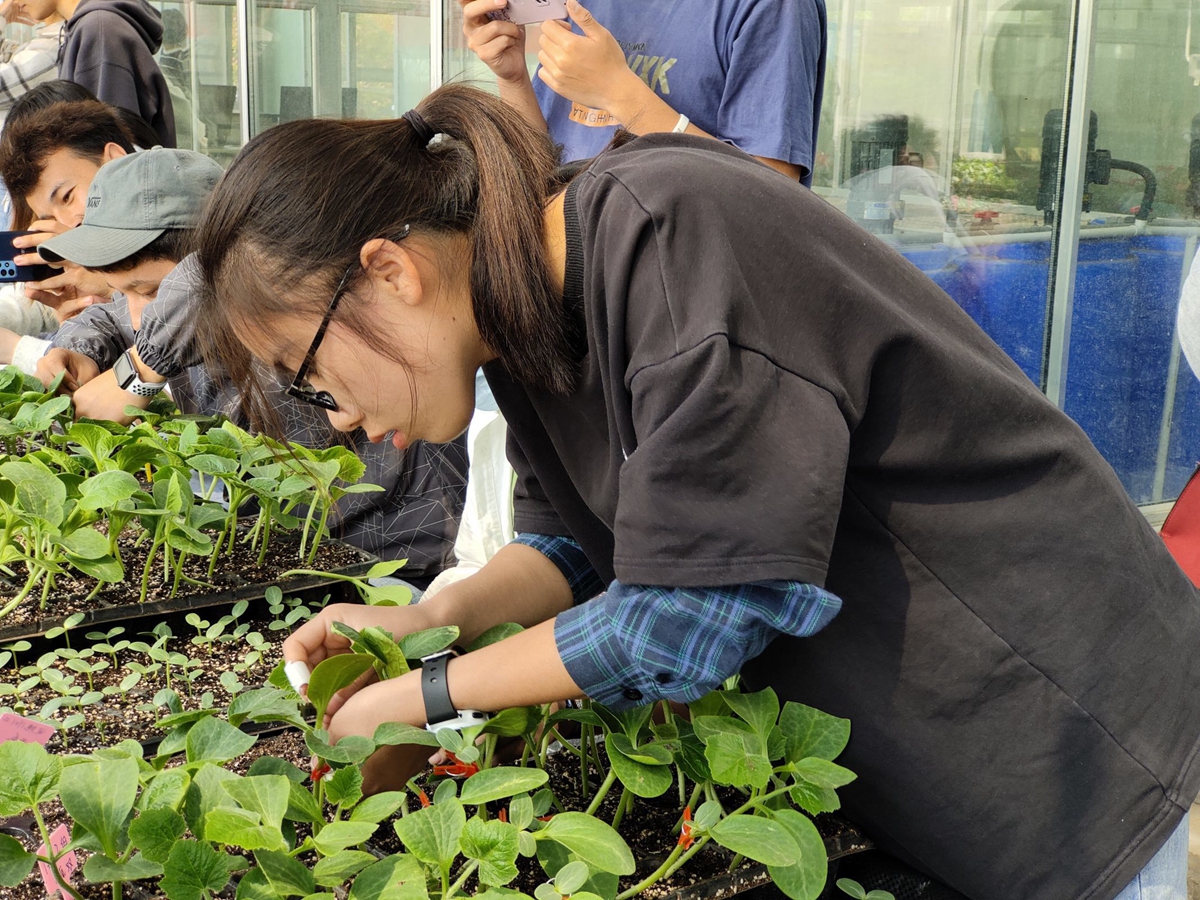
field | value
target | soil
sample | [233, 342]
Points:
[234, 570]
[117, 718]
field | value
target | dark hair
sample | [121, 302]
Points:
[173, 244]
[61, 91]
[85, 127]
[301, 199]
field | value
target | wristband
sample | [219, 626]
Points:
[681, 125]
[435, 692]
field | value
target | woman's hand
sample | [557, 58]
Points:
[589, 68]
[500, 45]
[397, 700]
[315, 641]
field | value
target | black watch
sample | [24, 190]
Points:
[435, 692]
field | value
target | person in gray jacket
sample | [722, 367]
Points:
[108, 47]
[139, 246]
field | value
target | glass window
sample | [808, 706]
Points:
[199, 61]
[931, 138]
[1125, 383]
[385, 57]
[367, 60]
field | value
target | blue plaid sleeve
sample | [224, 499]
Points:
[636, 644]
[571, 561]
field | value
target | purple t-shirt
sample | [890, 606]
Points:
[750, 72]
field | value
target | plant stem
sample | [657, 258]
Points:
[624, 803]
[53, 861]
[317, 537]
[602, 792]
[583, 762]
[266, 535]
[146, 570]
[463, 875]
[304, 534]
[24, 592]
[672, 864]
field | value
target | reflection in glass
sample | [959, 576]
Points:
[199, 61]
[365, 59]
[942, 134]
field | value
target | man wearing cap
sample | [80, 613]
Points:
[137, 225]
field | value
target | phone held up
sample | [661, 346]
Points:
[527, 12]
[10, 272]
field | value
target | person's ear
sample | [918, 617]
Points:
[113, 151]
[392, 269]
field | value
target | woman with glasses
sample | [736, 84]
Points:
[748, 437]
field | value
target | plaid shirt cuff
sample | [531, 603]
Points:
[635, 644]
[571, 561]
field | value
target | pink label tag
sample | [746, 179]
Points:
[67, 865]
[16, 728]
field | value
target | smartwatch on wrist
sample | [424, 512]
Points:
[127, 378]
[439, 710]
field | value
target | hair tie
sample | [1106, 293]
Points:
[421, 128]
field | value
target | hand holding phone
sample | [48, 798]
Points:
[527, 12]
[11, 272]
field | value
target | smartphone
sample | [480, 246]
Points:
[10, 272]
[526, 12]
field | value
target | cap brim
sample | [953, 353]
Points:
[91, 246]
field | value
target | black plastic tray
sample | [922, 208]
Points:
[304, 586]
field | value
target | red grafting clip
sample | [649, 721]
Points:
[321, 771]
[503, 815]
[424, 798]
[685, 834]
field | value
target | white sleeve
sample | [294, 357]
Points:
[24, 316]
[27, 353]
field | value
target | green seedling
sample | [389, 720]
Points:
[372, 595]
[64, 630]
[14, 648]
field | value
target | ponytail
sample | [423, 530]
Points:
[301, 199]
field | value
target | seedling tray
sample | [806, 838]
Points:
[304, 586]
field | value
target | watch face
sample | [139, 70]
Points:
[124, 371]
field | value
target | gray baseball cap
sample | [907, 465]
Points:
[132, 201]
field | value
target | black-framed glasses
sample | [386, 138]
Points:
[300, 388]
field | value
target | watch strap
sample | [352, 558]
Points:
[434, 689]
[127, 378]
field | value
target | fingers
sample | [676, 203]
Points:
[49, 367]
[475, 12]
[82, 368]
[339, 699]
[584, 19]
[493, 36]
[70, 308]
[314, 641]
[57, 283]
[38, 235]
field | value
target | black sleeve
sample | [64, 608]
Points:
[737, 474]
